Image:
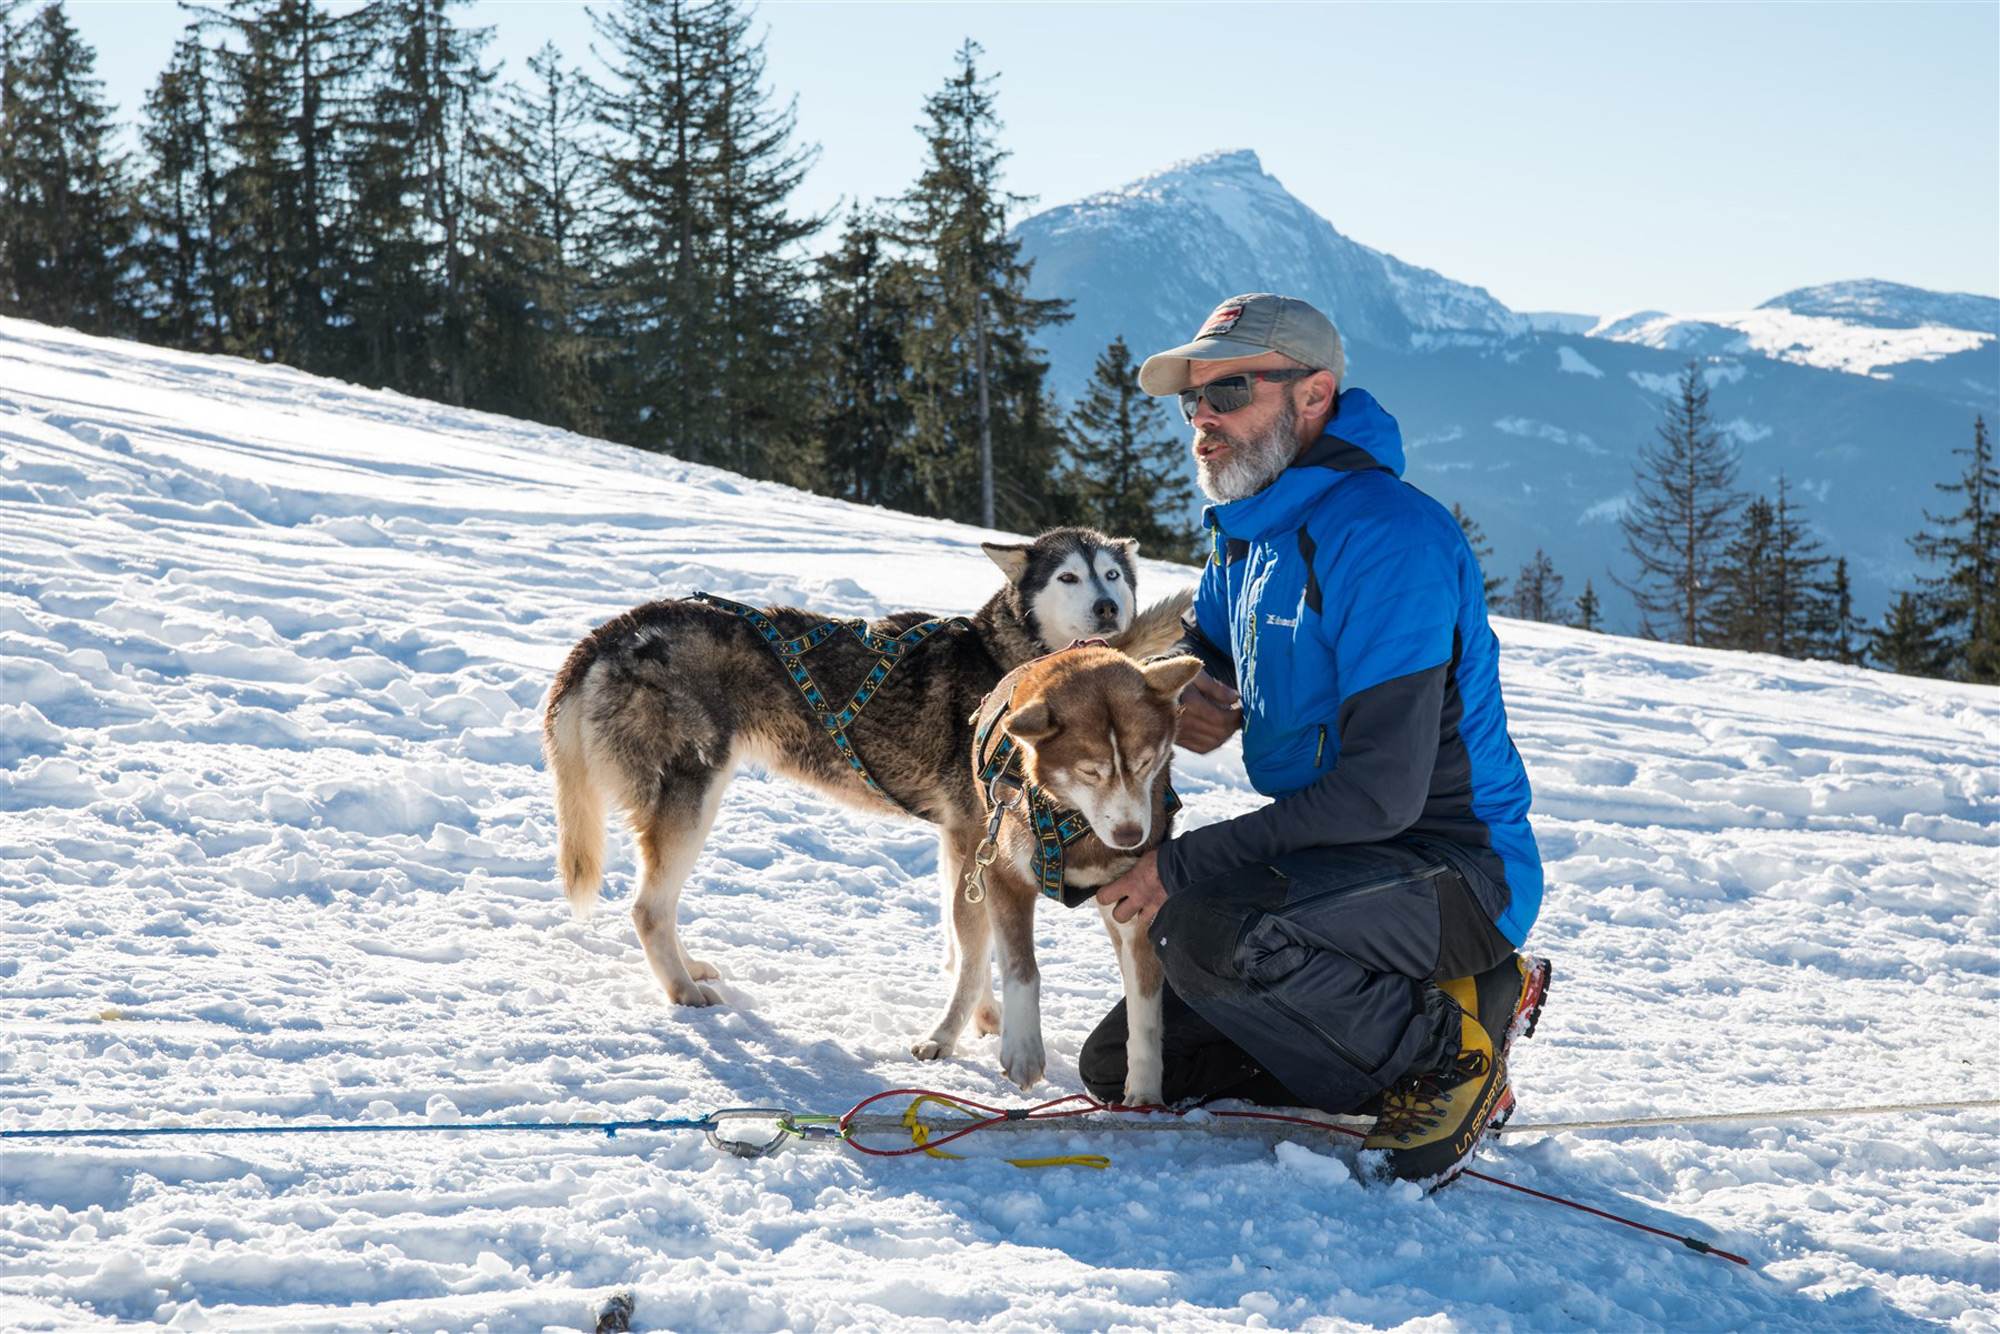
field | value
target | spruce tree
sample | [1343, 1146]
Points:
[984, 445]
[1839, 634]
[1589, 616]
[65, 214]
[1799, 594]
[537, 249]
[1120, 476]
[407, 296]
[1746, 611]
[1965, 598]
[1482, 552]
[1679, 521]
[1908, 641]
[179, 203]
[1538, 591]
[706, 303]
[864, 415]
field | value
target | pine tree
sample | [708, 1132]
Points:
[1746, 610]
[1538, 591]
[1799, 595]
[1482, 552]
[984, 447]
[1678, 524]
[1838, 632]
[289, 76]
[864, 415]
[1965, 598]
[1908, 641]
[407, 294]
[707, 305]
[1588, 614]
[65, 213]
[1121, 477]
[179, 203]
[540, 203]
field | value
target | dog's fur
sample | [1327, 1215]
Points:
[654, 710]
[1097, 731]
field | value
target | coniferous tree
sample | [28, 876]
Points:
[1678, 524]
[407, 294]
[1965, 598]
[1482, 552]
[1746, 615]
[1589, 616]
[178, 204]
[984, 446]
[290, 81]
[1908, 641]
[1538, 591]
[707, 306]
[537, 248]
[864, 416]
[1799, 594]
[65, 218]
[1119, 476]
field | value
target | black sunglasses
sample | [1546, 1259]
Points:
[1231, 393]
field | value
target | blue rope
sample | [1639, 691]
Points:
[609, 1129]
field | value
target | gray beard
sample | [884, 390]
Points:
[1254, 462]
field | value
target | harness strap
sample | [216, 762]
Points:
[892, 648]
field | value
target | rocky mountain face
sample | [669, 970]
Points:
[1856, 392]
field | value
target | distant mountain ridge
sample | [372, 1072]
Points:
[1855, 391]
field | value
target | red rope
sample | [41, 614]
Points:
[1043, 1111]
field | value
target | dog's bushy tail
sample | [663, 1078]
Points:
[580, 804]
[1156, 629]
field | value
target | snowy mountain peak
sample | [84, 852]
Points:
[1885, 305]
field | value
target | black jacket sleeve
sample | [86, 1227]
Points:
[1214, 660]
[1376, 790]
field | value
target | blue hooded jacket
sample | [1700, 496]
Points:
[1348, 610]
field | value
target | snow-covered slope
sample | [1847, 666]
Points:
[275, 849]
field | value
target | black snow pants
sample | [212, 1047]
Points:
[1308, 982]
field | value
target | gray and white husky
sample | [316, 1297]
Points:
[654, 710]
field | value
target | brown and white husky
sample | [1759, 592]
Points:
[1097, 734]
[653, 711]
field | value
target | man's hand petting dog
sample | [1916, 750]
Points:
[1137, 893]
[1210, 713]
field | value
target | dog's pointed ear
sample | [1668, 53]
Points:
[1032, 722]
[1169, 676]
[1129, 545]
[1012, 559]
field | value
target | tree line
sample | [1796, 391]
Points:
[1720, 569]
[359, 195]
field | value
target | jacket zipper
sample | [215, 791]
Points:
[1319, 755]
[1430, 872]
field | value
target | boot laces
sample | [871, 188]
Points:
[1420, 1102]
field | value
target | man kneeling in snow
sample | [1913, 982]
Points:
[1353, 945]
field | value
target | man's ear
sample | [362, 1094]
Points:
[1169, 676]
[1012, 560]
[1032, 722]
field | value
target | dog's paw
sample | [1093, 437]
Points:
[930, 1049]
[701, 970]
[1143, 1096]
[987, 1017]
[695, 994]
[1024, 1062]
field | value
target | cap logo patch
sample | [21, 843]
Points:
[1221, 322]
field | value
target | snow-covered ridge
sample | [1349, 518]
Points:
[1826, 341]
[275, 848]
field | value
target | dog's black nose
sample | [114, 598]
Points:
[1127, 836]
[1106, 609]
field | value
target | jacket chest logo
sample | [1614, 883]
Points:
[1288, 622]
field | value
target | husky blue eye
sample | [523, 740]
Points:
[1111, 575]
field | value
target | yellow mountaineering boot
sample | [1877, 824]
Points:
[1431, 1122]
[1509, 996]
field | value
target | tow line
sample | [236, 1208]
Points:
[928, 1136]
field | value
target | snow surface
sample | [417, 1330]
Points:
[1826, 341]
[276, 850]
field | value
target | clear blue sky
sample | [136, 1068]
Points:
[1582, 157]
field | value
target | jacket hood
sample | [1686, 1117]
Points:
[1362, 437]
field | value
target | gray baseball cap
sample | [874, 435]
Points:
[1244, 326]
